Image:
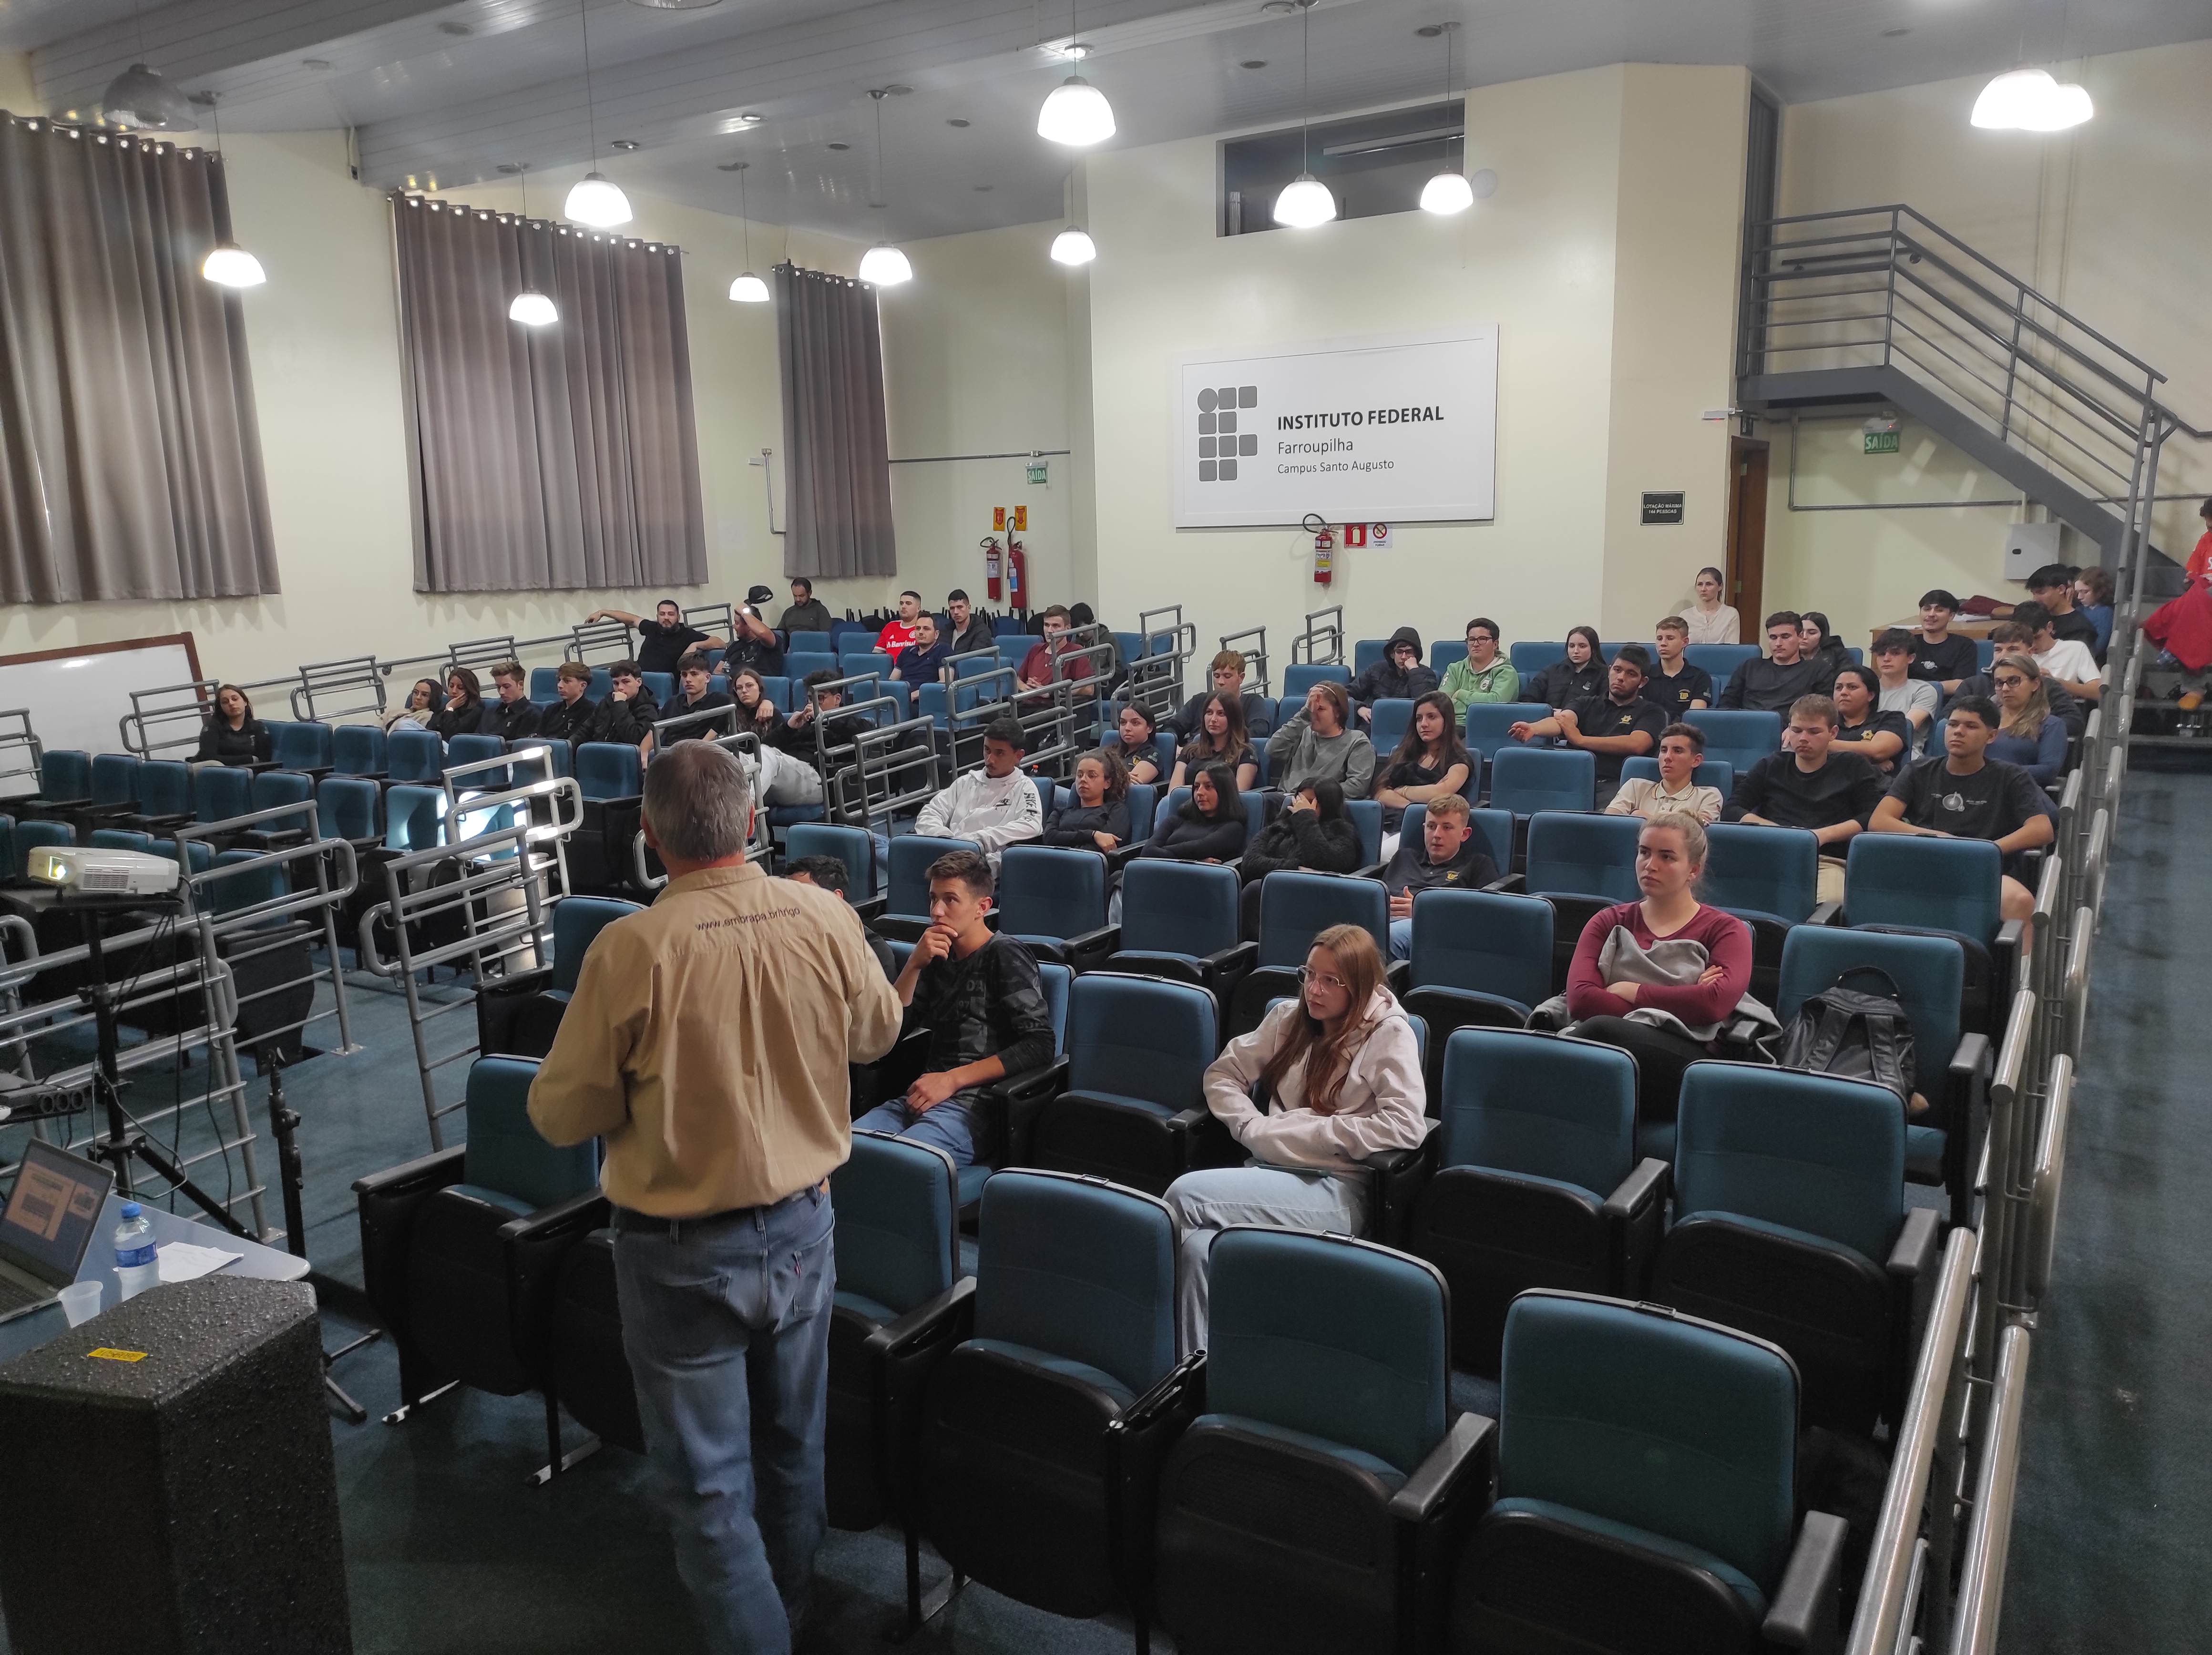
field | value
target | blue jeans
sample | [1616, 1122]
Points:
[1208, 1202]
[1402, 939]
[727, 1328]
[945, 1127]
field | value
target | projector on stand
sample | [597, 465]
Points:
[79, 871]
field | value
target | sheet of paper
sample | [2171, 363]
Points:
[181, 1261]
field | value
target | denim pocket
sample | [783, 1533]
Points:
[801, 1281]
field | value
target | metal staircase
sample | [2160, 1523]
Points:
[1881, 307]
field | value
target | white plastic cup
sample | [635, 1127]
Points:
[81, 1301]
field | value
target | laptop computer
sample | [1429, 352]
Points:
[48, 1224]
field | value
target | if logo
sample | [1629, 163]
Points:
[1219, 442]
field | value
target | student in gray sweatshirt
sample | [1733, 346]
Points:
[1318, 744]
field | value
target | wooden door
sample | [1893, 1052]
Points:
[1747, 533]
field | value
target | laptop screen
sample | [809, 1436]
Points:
[50, 1217]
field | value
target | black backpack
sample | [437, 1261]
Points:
[1855, 1036]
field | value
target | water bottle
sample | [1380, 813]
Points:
[136, 1267]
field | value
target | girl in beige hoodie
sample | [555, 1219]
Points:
[1326, 1080]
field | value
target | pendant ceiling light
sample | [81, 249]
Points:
[1074, 245]
[229, 264]
[144, 99]
[2031, 101]
[1305, 201]
[883, 265]
[531, 307]
[1076, 113]
[596, 199]
[1448, 193]
[747, 289]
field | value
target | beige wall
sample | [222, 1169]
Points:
[17, 93]
[2105, 220]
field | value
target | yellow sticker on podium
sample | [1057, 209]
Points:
[107, 1354]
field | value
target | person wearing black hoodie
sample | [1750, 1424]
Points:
[1315, 832]
[463, 714]
[513, 715]
[570, 717]
[628, 713]
[233, 735]
[1400, 675]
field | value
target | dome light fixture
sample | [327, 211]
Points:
[530, 308]
[230, 265]
[147, 100]
[1305, 200]
[1076, 113]
[747, 289]
[595, 199]
[885, 266]
[2031, 101]
[1074, 246]
[1448, 193]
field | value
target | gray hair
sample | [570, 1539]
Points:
[699, 802]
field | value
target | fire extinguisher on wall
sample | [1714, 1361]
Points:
[991, 565]
[1324, 549]
[1017, 574]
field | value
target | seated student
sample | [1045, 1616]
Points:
[2065, 662]
[2093, 596]
[1210, 826]
[898, 632]
[2010, 637]
[1317, 744]
[1883, 737]
[2029, 734]
[1449, 856]
[1810, 784]
[569, 718]
[966, 632]
[1963, 793]
[1084, 632]
[1226, 675]
[996, 806]
[628, 713]
[2052, 587]
[805, 613]
[1774, 681]
[828, 873]
[1051, 660]
[980, 996]
[1710, 620]
[233, 735]
[923, 662]
[1674, 685]
[1916, 700]
[1681, 749]
[463, 714]
[1577, 678]
[1940, 656]
[1339, 1073]
[421, 704]
[695, 693]
[1399, 676]
[753, 642]
[1663, 977]
[798, 735]
[1484, 675]
[664, 640]
[1615, 725]
[1817, 642]
[513, 715]
[1430, 761]
[1099, 818]
[1220, 740]
[1133, 742]
[755, 713]
[1315, 833]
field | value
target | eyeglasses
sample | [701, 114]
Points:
[2009, 680]
[1308, 974]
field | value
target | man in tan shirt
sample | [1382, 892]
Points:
[707, 1043]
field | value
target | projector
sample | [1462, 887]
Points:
[101, 873]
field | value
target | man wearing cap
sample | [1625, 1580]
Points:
[753, 643]
[1939, 657]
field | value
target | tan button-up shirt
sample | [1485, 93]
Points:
[707, 1042]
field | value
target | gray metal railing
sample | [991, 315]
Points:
[165, 720]
[330, 690]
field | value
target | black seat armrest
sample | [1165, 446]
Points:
[1372, 871]
[1020, 1099]
[431, 1171]
[1805, 1612]
[1509, 882]
[1971, 1059]
[1395, 1180]
[1183, 1384]
[1465, 1452]
[1085, 948]
[1828, 913]
[1647, 1182]
[1399, 973]
[578, 1214]
[954, 1307]
[1122, 856]
[900, 927]
[1914, 1254]
[1234, 961]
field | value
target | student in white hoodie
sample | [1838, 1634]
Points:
[1326, 1080]
[994, 807]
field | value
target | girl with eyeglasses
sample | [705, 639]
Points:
[2029, 734]
[1326, 1080]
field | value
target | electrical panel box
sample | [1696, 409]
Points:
[2029, 546]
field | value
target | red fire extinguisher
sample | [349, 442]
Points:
[1017, 573]
[991, 565]
[1324, 549]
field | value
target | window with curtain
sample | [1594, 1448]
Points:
[837, 456]
[129, 453]
[547, 457]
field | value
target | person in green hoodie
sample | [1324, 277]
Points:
[1484, 675]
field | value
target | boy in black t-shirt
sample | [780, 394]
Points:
[663, 641]
[1616, 725]
[1966, 795]
[1674, 685]
[1939, 656]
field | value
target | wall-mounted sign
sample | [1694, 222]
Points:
[1036, 471]
[1021, 519]
[1399, 428]
[1663, 507]
[1882, 442]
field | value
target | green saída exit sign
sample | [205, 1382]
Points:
[1036, 471]
[1882, 442]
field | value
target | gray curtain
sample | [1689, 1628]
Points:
[129, 455]
[836, 457]
[564, 456]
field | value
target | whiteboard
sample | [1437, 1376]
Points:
[78, 698]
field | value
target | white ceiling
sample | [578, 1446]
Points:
[445, 94]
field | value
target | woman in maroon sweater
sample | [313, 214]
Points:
[1670, 857]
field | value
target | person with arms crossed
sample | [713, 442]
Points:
[233, 735]
[1681, 749]
[1774, 681]
[1099, 818]
[706, 1044]
[1809, 784]
[1447, 856]
[1210, 826]
[1616, 725]
[1963, 793]
[980, 996]
[1882, 737]
[1484, 675]
[664, 640]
